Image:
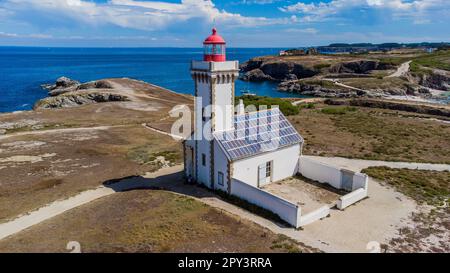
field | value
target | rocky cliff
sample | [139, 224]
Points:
[272, 69]
[431, 78]
[359, 67]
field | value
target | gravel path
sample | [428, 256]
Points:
[401, 70]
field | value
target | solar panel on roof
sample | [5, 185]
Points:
[258, 132]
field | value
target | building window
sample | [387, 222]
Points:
[203, 114]
[220, 179]
[203, 159]
[269, 169]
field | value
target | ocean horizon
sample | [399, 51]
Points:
[24, 69]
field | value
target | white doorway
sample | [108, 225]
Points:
[265, 173]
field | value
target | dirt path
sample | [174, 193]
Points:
[401, 70]
[337, 82]
[360, 164]
[175, 137]
[52, 131]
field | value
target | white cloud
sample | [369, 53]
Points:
[302, 30]
[399, 8]
[15, 35]
[143, 15]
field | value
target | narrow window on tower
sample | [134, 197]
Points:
[220, 179]
[203, 159]
[203, 114]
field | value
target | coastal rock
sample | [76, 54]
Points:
[95, 85]
[77, 99]
[327, 91]
[431, 78]
[300, 87]
[65, 82]
[256, 75]
[359, 67]
[260, 69]
[61, 86]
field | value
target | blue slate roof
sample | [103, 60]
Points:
[257, 133]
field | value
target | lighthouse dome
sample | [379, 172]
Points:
[214, 48]
[214, 39]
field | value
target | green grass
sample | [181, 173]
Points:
[430, 187]
[145, 155]
[439, 59]
[309, 105]
[286, 243]
[285, 106]
[340, 110]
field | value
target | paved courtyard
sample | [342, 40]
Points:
[309, 195]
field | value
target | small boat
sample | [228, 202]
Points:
[247, 92]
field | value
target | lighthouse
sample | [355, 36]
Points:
[214, 79]
[229, 150]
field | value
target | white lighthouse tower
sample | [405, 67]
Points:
[228, 149]
[214, 107]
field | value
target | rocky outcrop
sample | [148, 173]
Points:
[95, 85]
[77, 99]
[65, 85]
[328, 89]
[69, 93]
[318, 90]
[435, 79]
[61, 86]
[359, 67]
[260, 69]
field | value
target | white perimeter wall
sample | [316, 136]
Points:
[287, 211]
[320, 172]
[285, 164]
[332, 175]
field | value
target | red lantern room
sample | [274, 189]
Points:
[214, 47]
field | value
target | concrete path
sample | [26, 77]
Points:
[51, 210]
[360, 164]
[401, 70]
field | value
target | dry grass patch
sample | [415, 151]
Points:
[430, 187]
[149, 221]
[376, 134]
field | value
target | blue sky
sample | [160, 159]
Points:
[244, 23]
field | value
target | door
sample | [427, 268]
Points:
[265, 174]
[347, 180]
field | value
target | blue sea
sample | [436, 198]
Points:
[23, 70]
